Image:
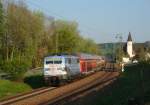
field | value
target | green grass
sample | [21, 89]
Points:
[129, 85]
[8, 88]
[133, 83]
[32, 80]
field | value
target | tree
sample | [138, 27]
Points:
[21, 39]
[88, 46]
[27, 36]
[65, 37]
[1, 19]
[1, 29]
[141, 54]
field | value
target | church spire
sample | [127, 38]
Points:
[129, 37]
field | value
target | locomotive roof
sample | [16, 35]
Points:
[77, 55]
[59, 56]
[89, 56]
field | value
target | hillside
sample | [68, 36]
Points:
[109, 48]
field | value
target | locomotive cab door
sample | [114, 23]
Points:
[72, 66]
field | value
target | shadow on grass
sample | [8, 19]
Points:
[126, 90]
[35, 82]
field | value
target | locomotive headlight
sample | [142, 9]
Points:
[63, 69]
[46, 69]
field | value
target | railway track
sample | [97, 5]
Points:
[24, 96]
[111, 67]
[53, 95]
[105, 80]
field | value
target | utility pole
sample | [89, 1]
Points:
[55, 50]
[114, 60]
[56, 42]
[56, 37]
[119, 36]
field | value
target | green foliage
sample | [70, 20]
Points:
[66, 36]
[1, 19]
[35, 78]
[35, 81]
[29, 36]
[15, 68]
[8, 88]
[119, 54]
[130, 83]
[1, 27]
[88, 46]
[141, 54]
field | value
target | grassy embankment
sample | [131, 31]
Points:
[32, 80]
[8, 88]
[133, 83]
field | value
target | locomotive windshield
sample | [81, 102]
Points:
[57, 62]
[49, 62]
[53, 61]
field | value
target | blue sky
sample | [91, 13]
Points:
[101, 20]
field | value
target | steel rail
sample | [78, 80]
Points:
[101, 81]
[25, 95]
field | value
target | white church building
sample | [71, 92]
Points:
[128, 49]
[130, 46]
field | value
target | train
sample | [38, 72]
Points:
[62, 67]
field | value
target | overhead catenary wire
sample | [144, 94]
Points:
[61, 17]
[46, 10]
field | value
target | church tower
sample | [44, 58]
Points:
[130, 46]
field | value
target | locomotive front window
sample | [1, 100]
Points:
[49, 62]
[57, 62]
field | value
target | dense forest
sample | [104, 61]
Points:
[27, 36]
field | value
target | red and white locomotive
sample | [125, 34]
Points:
[58, 68]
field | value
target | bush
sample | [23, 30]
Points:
[15, 68]
[35, 81]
